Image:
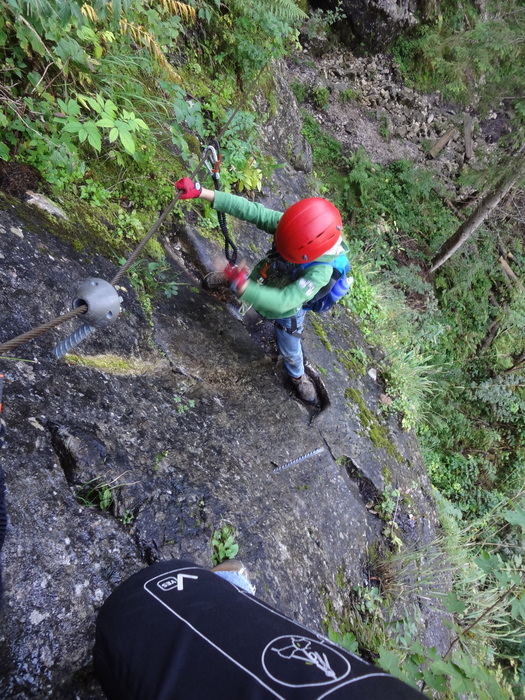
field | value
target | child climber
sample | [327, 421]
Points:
[281, 286]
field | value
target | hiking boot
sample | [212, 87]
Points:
[305, 389]
[215, 280]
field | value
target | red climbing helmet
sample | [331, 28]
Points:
[308, 229]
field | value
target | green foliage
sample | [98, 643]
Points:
[354, 360]
[325, 148]
[149, 278]
[463, 479]
[120, 124]
[458, 677]
[364, 300]
[182, 404]
[223, 544]
[320, 97]
[83, 98]
[75, 84]
[467, 55]
[485, 611]
[361, 628]
[372, 428]
[412, 381]
[348, 95]
[95, 494]
[317, 94]
[321, 21]
[384, 129]
[98, 492]
[300, 90]
[128, 517]
[158, 459]
[505, 399]
[94, 193]
[231, 33]
[155, 278]
[401, 197]
[347, 641]
[387, 508]
[467, 411]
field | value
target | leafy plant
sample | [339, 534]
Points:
[98, 492]
[387, 507]
[468, 53]
[120, 124]
[182, 404]
[148, 277]
[320, 97]
[348, 95]
[249, 178]
[300, 90]
[128, 517]
[486, 610]
[320, 21]
[347, 641]
[223, 544]
[158, 459]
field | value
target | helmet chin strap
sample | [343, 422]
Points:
[336, 248]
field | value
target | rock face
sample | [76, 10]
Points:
[283, 136]
[159, 429]
[374, 23]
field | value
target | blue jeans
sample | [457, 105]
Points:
[238, 579]
[290, 345]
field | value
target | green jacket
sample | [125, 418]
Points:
[270, 300]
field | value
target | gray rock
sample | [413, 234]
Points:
[282, 132]
[42, 202]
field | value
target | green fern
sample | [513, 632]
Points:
[286, 9]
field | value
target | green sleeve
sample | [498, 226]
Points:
[241, 208]
[272, 302]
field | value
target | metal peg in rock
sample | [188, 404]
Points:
[102, 300]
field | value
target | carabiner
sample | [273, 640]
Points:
[213, 161]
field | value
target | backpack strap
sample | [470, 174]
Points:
[336, 274]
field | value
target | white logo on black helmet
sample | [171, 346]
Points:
[297, 661]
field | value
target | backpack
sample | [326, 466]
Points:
[336, 288]
[327, 296]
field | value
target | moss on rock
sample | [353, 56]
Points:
[375, 431]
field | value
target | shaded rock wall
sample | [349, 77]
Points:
[373, 23]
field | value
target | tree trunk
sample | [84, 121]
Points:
[478, 216]
[518, 362]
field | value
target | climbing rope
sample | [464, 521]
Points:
[81, 309]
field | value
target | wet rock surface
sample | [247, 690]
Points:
[183, 418]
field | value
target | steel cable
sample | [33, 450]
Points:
[31, 335]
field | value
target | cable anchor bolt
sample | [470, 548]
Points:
[103, 309]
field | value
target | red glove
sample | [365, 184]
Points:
[189, 189]
[236, 276]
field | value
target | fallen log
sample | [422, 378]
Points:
[442, 142]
